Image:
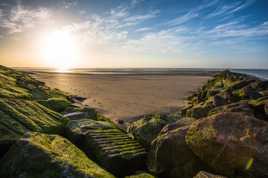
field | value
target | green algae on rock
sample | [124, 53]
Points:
[18, 116]
[223, 91]
[231, 143]
[109, 146]
[141, 175]
[41, 155]
[204, 174]
[171, 157]
[57, 104]
[146, 129]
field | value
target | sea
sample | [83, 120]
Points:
[260, 73]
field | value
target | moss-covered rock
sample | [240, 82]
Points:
[40, 155]
[18, 116]
[231, 143]
[171, 157]
[204, 174]
[56, 104]
[109, 146]
[147, 128]
[241, 106]
[141, 175]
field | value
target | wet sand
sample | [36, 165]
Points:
[127, 96]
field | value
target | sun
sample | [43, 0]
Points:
[58, 50]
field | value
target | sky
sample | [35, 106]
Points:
[134, 33]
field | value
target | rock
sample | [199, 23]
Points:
[266, 108]
[171, 157]
[146, 129]
[75, 98]
[186, 121]
[200, 110]
[120, 121]
[262, 85]
[56, 104]
[83, 113]
[213, 92]
[18, 116]
[112, 148]
[203, 174]
[241, 106]
[251, 93]
[240, 84]
[218, 100]
[231, 143]
[258, 106]
[141, 175]
[40, 155]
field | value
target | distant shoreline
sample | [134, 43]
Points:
[259, 73]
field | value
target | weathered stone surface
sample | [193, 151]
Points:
[112, 148]
[146, 129]
[241, 106]
[141, 175]
[186, 121]
[56, 104]
[218, 100]
[20, 110]
[171, 157]
[200, 110]
[18, 116]
[266, 108]
[231, 143]
[203, 174]
[40, 155]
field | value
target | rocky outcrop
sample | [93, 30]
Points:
[203, 174]
[171, 157]
[146, 129]
[110, 147]
[228, 91]
[40, 155]
[231, 144]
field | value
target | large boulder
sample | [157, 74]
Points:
[171, 157]
[231, 143]
[111, 147]
[204, 174]
[40, 155]
[146, 129]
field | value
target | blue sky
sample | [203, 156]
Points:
[141, 33]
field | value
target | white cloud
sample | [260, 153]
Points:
[182, 19]
[19, 18]
[144, 29]
[244, 5]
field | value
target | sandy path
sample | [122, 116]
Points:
[122, 97]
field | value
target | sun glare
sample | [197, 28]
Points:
[58, 50]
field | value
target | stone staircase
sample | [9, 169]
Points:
[109, 146]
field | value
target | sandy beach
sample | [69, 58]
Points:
[127, 96]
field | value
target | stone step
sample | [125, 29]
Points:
[105, 142]
[140, 153]
[111, 148]
[109, 137]
[105, 147]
